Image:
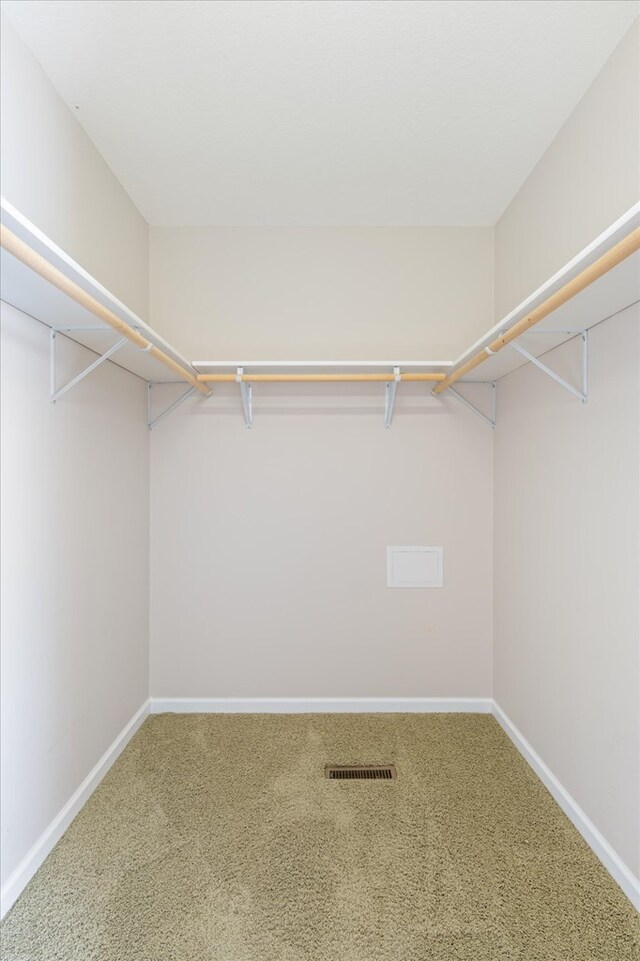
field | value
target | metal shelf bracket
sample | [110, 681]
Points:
[246, 394]
[390, 397]
[55, 395]
[490, 421]
[152, 421]
[583, 394]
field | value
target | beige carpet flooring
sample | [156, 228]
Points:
[217, 838]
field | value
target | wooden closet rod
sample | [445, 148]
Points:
[23, 252]
[623, 249]
[315, 378]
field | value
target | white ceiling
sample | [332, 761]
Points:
[314, 112]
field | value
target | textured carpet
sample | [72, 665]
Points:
[217, 838]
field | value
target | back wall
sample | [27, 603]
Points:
[321, 293]
[268, 573]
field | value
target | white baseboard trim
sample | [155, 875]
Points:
[612, 861]
[18, 880]
[320, 705]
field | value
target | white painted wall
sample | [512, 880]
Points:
[322, 292]
[567, 632]
[587, 178]
[74, 479]
[74, 543]
[567, 574]
[268, 564]
[55, 176]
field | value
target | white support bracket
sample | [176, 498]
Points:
[583, 394]
[390, 397]
[246, 394]
[55, 395]
[490, 421]
[151, 422]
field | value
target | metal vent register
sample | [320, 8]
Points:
[368, 773]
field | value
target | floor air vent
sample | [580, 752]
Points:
[367, 773]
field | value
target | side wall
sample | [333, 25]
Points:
[74, 481]
[55, 176]
[567, 632]
[74, 544]
[268, 574]
[567, 574]
[586, 179]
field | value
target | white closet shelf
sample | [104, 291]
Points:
[309, 365]
[258, 371]
[41, 280]
[616, 289]
[24, 288]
